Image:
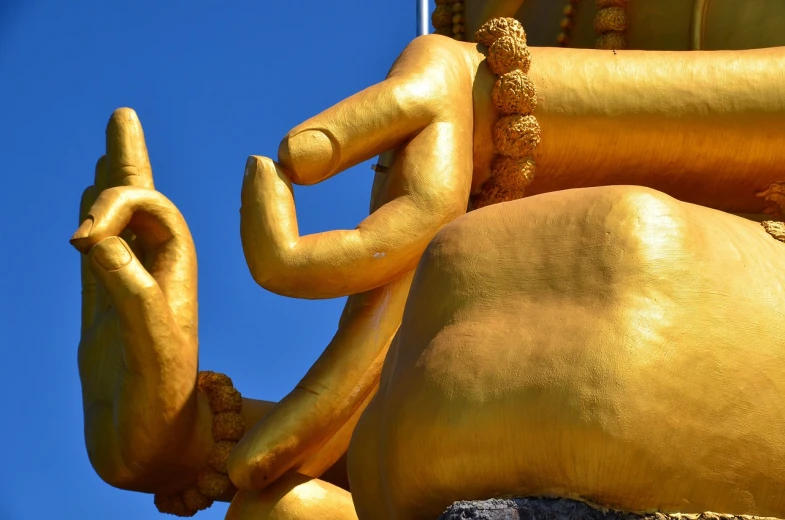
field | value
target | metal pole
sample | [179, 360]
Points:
[422, 17]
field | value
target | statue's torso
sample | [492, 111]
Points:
[667, 24]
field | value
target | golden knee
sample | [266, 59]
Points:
[293, 497]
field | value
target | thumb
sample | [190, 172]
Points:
[146, 320]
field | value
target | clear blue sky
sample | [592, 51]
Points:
[212, 82]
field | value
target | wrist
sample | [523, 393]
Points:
[220, 425]
[505, 151]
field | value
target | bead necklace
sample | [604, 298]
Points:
[516, 133]
[567, 22]
[448, 19]
[610, 24]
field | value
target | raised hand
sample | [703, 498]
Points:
[424, 112]
[138, 351]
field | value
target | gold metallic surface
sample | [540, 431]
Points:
[612, 343]
[645, 118]
[622, 347]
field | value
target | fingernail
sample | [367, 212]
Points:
[111, 253]
[250, 165]
[83, 231]
[310, 155]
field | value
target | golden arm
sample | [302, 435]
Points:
[421, 110]
[634, 95]
[704, 127]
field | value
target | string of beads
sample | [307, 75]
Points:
[448, 19]
[566, 24]
[212, 482]
[516, 134]
[611, 24]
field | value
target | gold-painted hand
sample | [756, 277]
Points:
[423, 112]
[138, 351]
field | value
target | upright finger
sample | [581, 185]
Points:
[382, 117]
[128, 163]
[89, 287]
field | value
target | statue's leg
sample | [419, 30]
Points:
[293, 497]
[363, 460]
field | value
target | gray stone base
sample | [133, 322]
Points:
[557, 509]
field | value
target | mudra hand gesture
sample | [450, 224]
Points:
[138, 352]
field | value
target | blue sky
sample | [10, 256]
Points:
[212, 82]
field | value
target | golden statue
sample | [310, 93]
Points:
[614, 337]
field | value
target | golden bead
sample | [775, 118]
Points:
[508, 53]
[228, 426]
[219, 455]
[225, 399]
[495, 28]
[457, 18]
[570, 11]
[194, 500]
[173, 505]
[513, 172]
[458, 29]
[611, 41]
[563, 39]
[457, 7]
[514, 93]
[610, 19]
[516, 135]
[508, 182]
[566, 24]
[442, 16]
[208, 381]
[213, 484]
[460, 37]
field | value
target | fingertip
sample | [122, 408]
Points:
[309, 156]
[251, 165]
[128, 163]
[257, 165]
[81, 238]
[122, 125]
[124, 114]
[110, 254]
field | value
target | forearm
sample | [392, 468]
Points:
[705, 127]
[297, 430]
